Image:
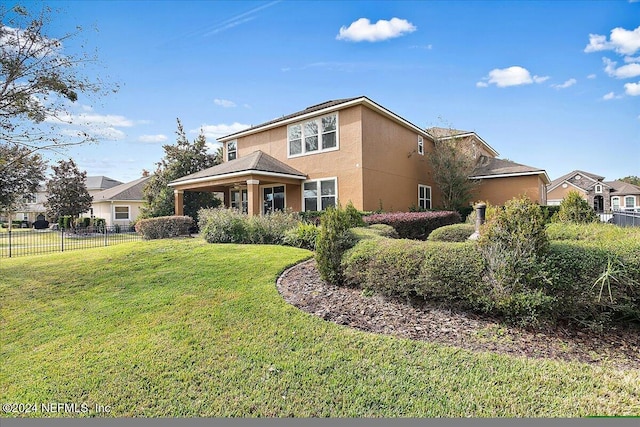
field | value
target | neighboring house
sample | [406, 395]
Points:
[603, 195]
[33, 207]
[348, 150]
[121, 204]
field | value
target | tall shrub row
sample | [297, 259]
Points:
[414, 225]
[164, 227]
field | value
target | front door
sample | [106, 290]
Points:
[598, 204]
[273, 199]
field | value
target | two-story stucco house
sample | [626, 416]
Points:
[343, 150]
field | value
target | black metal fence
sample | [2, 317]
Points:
[19, 242]
[626, 218]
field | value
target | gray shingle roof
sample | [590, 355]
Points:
[129, 191]
[256, 161]
[622, 187]
[101, 182]
[492, 167]
[563, 178]
[307, 110]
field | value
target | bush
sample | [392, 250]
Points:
[414, 225]
[64, 222]
[311, 217]
[270, 228]
[574, 208]
[224, 225]
[303, 236]
[334, 239]
[354, 216]
[452, 233]
[550, 213]
[164, 227]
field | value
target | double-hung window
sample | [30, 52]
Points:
[615, 203]
[313, 136]
[232, 150]
[420, 145]
[121, 212]
[320, 194]
[424, 196]
[629, 202]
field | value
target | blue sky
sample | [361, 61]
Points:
[554, 85]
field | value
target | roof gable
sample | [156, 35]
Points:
[490, 167]
[326, 108]
[570, 177]
[254, 162]
[132, 191]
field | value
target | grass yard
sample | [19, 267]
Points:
[173, 328]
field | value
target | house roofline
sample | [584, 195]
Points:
[236, 174]
[363, 100]
[467, 134]
[507, 175]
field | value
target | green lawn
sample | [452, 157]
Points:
[185, 328]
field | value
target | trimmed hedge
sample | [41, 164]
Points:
[452, 233]
[592, 284]
[164, 226]
[414, 225]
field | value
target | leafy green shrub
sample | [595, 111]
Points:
[490, 212]
[550, 213]
[310, 217]
[303, 236]
[270, 228]
[513, 244]
[591, 232]
[452, 233]
[574, 208]
[164, 227]
[384, 230]
[223, 225]
[414, 225]
[354, 216]
[64, 222]
[334, 239]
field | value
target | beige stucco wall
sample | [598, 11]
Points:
[344, 163]
[106, 210]
[497, 191]
[391, 165]
[560, 193]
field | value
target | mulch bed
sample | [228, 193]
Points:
[302, 287]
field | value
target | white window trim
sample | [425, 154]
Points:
[616, 198]
[634, 202]
[320, 149]
[319, 196]
[420, 145]
[128, 218]
[262, 187]
[598, 188]
[430, 199]
[234, 151]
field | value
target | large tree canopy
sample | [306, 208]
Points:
[67, 192]
[22, 178]
[180, 160]
[40, 81]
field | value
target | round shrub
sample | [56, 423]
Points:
[574, 208]
[223, 225]
[452, 233]
[164, 226]
[384, 230]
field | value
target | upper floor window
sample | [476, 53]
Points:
[420, 145]
[232, 150]
[313, 136]
[598, 188]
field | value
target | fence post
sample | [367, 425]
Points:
[61, 239]
[9, 241]
[105, 234]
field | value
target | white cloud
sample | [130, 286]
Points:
[224, 103]
[152, 138]
[623, 72]
[364, 30]
[629, 59]
[632, 89]
[511, 76]
[609, 96]
[566, 84]
[591, 76]
[218, 131]
[624, 42]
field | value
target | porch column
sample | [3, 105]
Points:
[178, 196]
[253, 197]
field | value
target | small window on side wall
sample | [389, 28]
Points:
[420, 145]
[232, 150]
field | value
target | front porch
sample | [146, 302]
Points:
[255, 184]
